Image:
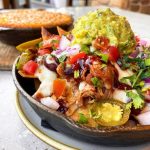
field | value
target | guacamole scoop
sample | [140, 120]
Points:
[104, 23]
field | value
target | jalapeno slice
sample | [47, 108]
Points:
[109, 113]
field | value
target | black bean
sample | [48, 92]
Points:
[62, 108]
[51, 66]
[68, 71]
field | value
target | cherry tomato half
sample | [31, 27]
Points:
[74, 58]
[113, 53]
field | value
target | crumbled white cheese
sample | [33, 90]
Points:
[46, 77]
[50, 102]
[45, 74]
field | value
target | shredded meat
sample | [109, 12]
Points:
[104, 93]
[72, 102]
[72, 109]
[77, 99]
[106, 74]
[85, 76]
[71, 92]
[78, 96]
[60, 70]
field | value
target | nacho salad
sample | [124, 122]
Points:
[98, 74]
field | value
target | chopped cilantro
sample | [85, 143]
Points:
[129, 105]
[134, 79]
[95, 81]
[62, 58]
[136, 99]
[145, 74]
[104, 57]
[82, 119]
[137, 77]
[93, 114]
[85, 48]
[54, 41]
[133, 63]
[129, 79]
[141, 64]
[140, 84]
[103, 66]
[76, 74]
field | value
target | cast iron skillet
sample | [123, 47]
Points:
[115, 136]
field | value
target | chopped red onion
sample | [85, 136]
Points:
[144, 118]
[134, 54]
[64, 42]
[88, 61]
[81, 63]
[68, 51]
[147, 80]
[145, 42]
[50, 102]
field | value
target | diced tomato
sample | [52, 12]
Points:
[137, 39]
[113, 53]
[30, 67]
[43, 51]
[59, 86]
[101, 43]
[74, 58]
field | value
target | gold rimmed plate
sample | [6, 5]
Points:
[23, 110]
